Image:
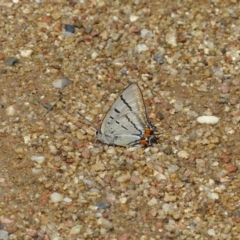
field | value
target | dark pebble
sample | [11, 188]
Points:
[160, 115]
[102, 205]
[69, 28]
[124, 71]
[11, 61]
[48, 106]
[168, 150]
[159, 59]
[3, 71]
[222, 101]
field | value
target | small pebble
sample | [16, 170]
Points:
[124, 178]
[178, 106]
[104, 223]
[133, 18]
[144, 32]
[222, 101]
[38, 159]
[4, 235]
[124, 71]
[76, 230]
[3, 71]
[48, 106]
[224, 88]
[86, 154]
[123, 200]
[213, 195]
[200, 163]
[159, 59]
[56, 197]
[169, 198]
[236, 81]
[231, 168]
[208, 119]
[67, 200]
[61, 83]
[142, 47]
[153, 201]
[69, 28]
[10, 111]
[111, 151]
[211, 232]
[11, 61]
[98, 167]
[102, 205]
[173, 168]
[183, 154]
[94, 55]
[171, 38]
[26, 53]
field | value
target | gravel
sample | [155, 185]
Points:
[57, 181]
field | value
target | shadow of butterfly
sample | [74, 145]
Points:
[126, 122]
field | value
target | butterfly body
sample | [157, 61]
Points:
[126, 123]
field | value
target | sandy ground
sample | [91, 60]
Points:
[57, 181]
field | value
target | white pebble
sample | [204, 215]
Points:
[132, 213]
[178, 106]
[166, 207]
[152, 202]
[144, 32]
[215, 164]
[26, 52]
[159, 176]
[213, 195]
[183, 154]
[53, 149]
[123, 200]
[111, 151]
[104, 223]
[38, 159]
[173, 168]
[142, 47]
[4, 235]
[67, 200]
[10, 111]
[171, 38]
[211, 232]
[56, 197]
[94, 55]
[236, 119]
[133, 18]
[76, 230]
[208, 119]
[124, 178]
[61, 83]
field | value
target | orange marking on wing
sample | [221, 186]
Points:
[143, 142]
[148, 133]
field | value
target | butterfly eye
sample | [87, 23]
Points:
[97, 132]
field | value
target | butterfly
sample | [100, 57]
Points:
[126, 122]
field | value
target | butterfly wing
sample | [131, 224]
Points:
[126, 120]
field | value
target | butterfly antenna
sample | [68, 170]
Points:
[86, 121]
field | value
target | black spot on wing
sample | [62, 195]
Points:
[124, 127]
[117, 111]
[122, 98]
